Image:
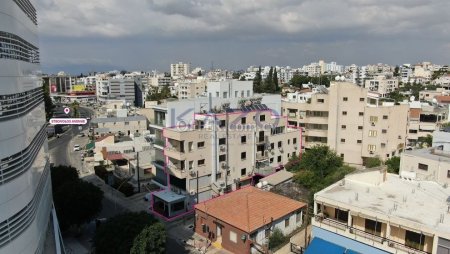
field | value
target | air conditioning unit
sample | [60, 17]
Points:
[223, 165]
[295, 147]
[192, 173]
[372, 123]
[222, 148]
[371, 152]
[266, 153]
[281, 149]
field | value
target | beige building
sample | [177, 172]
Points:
[352, 121]
[381, 85]
[375, 212]
[115, 125]
[191, 88]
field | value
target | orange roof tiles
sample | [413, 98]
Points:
[443, 99]
[415, 112]
[249, 208]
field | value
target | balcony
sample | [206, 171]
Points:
[262, 156]
[174, 153]
[177, 171]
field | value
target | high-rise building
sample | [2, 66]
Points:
[25, 187]
[179, 69]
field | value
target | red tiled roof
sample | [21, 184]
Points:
[443, 99]
[249, 208]
[114, 157]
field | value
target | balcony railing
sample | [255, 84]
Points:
[367, 235]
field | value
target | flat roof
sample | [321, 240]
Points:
[118, 119]
[418, 204]
[249, 208]
[427, 154]
[169, 196]
[278, 177]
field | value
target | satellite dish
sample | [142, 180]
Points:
[434, 100]
[412, 98]
[259, 185]
[337, 78]
[264, 183]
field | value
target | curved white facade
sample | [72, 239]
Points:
[25, 186]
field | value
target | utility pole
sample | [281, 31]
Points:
[197, 186]
[138, 180]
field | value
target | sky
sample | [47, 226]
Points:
[100, 35]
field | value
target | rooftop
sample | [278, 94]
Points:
[419, 204]
[118, 119]
[249, 208]
[430, 153]
[278, 177]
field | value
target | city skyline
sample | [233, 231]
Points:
[146, 35]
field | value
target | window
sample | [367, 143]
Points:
[280, 143]
[233, 237]
[279, 159]
[201, 162]
[320, 100]
[272, 146]
[371, 148]
[243, 155]
[361, 99]
[345, 99]
[253, 236]
[222, 157]
[222, 141]
[384, 131]
[373, 119]
[289, 141]
[373, 227]
[298, 216]
[225, 95]
[294, 141]
[342, 140]
[423, 166]
[385, 117]
[342, 155]
[243, 139]
[359, 141]
[262, 118]
[201, 144]
[344, 113]
[412, 131]
[383, 145]
[127, 123]
[271, 160]
[222, 123]
[286, 223]
[361, 113]
[341, 215]
[414, 240]
[343, 127]
[248, 93]
[243, 172]
[448, 173]
[360, 127]
[372, 133]
[219, 175]
[243, 120]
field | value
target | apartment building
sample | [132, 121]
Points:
[128, 89]
[180, 69]
[191, 88]
[126, 125]
[424, 119]
[28, 222]
[230, 88]
[210, 146]
[350, 120]
[59, 84]
[381, 85]
[380, 213]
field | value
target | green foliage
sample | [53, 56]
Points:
[257, 82]
[426, 141]
[236, 75]
[320, 160]
[75, 105]
[306, 178]
[276, 238]
[393, 165]
[373, 162]
[151, 240]
[156, 94]
[415, 88]
[63, 174]
[299, 80]
[77, 202]
[438, 74]
[276, 85]
[48, 103]
[397, 96]
[397, 71]
[116, 236]
[293, 163]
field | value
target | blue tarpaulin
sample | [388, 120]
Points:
[320, 246]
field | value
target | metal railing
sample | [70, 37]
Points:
[19, 104]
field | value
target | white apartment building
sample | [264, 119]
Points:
[28, 222]
[160, 80]
[126, 125]
[208, 146]
[230, 88]
[443, 81]
[180, 69]
[381, 85]
[102, 88]
[379, 213]
[352, 121]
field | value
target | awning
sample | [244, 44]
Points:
[115, 157]
[320, 246]
[90, 145]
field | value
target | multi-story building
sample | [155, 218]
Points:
[191, 88]
[381, 85]
[424, 119]
[208, 146]
[180, 69]
[27, 216]
[230, 89]
[126, 125]
[352, 121]
[128, 89]
[59, 84]
[102, 88]
[379, 213]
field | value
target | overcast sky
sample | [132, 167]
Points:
[98, 35]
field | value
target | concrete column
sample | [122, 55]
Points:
[435, 244]
[388, 230]
[350, 219]
[315, 208]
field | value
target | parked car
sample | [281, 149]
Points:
[76, 148]
[81, 134]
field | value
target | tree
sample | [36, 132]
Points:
[116, 236]
[157, 94]
[276, 238]
[75, 105]
[48, 103]
[236, 75]
[63, 174]
[257, 82]
[275, 80]
[428, 140]
[320, 160]
[373, 162]
[393, 165]
[77, 202]
[397, 71]
[123, 72]
[151, 240]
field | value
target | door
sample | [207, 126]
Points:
[219, 230]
